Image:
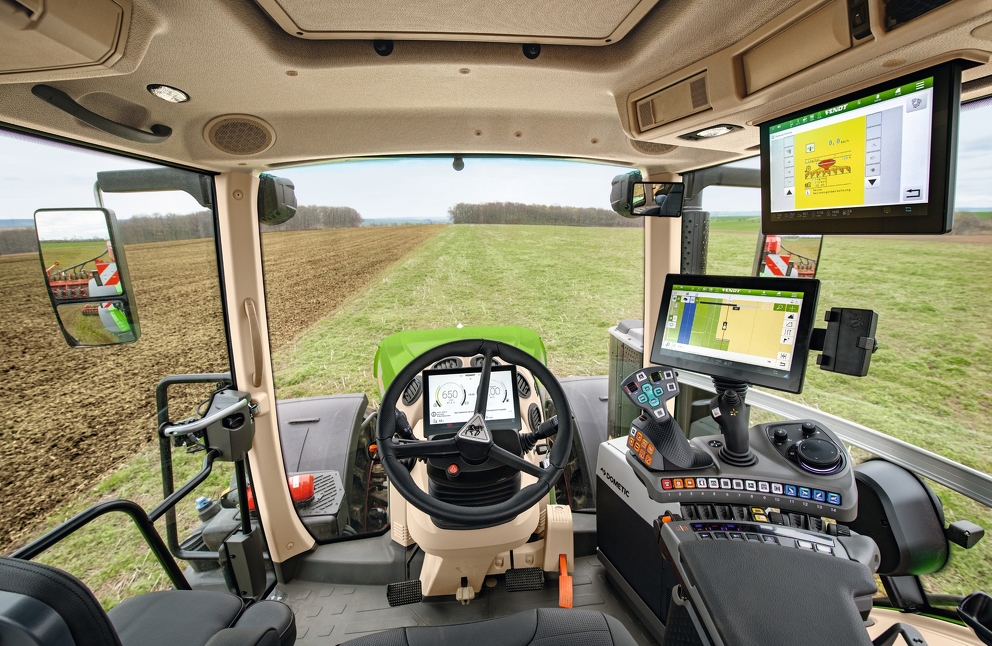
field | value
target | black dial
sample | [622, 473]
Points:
[818, 456]
[809, 428]
[781, 435]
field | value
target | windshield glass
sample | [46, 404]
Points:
[383, 247]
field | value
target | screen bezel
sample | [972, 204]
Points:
[943, 160]
[742, 371]
[511, 424]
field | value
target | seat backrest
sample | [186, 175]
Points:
[63, 593]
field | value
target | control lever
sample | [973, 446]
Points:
[655, 438]
[732, 416]
[547, 429]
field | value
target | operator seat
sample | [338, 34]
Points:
[46, 606]
[539, 627]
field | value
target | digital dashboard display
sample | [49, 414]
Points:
[450, 397]
[750, 329]
[880, 160]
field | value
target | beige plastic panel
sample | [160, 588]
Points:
[237, 195]
[566, 22]
[59, 34]
[934, 631]
[811, 40]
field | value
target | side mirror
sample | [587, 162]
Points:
[82, 258]
[276, 199]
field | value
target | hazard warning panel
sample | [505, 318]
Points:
[832, 165]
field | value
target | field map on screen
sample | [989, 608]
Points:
[752, 326]
[871, 151]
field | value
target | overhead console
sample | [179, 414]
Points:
[809, 43]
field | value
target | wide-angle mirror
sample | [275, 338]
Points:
[659, 199]
[86, 274]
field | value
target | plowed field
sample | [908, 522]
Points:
[68, 416]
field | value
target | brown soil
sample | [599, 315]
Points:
[68, 416]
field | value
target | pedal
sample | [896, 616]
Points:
[564, 583]
[404, 593]
[523, 579]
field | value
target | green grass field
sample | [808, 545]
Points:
[929, 383]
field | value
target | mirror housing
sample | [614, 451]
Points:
[82, 258]
[621, 192]
[276, 199]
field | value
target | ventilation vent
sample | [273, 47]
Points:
[534, 416]
[523, 388]
[673, 103]
[651, 148]
[478, 360]
[412, 391]
[450, 362]
[239, 134]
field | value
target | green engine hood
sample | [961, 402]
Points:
[397, 350]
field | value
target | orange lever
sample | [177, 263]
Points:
[564, 583]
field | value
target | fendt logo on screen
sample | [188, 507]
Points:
[613, 481]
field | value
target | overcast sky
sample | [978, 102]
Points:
[36, 174]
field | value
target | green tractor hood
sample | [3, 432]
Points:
[397, 350]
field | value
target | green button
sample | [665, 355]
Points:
[646, 388]
[642, 398]
[654, 402]
[660, 392]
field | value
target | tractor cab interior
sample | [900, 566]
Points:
[483, 490]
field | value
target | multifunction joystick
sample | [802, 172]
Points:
[655, 438]
[731, 414]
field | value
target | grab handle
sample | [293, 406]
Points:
[66, 103]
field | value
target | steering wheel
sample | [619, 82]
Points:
[474, 441]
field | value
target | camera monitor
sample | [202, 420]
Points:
[450, 395]
[755, 330]
[877, 161]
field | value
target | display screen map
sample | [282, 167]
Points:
[751, 326]
[450, 396]
[871, 151]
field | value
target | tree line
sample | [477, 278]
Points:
[319, 217]
[515, 213]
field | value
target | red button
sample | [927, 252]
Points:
[666, 483]
[453, 469]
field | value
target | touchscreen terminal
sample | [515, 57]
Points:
[450, 395]
[755, 330]
[880, 160]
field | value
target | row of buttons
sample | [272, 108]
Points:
[739, 536]
[640, 445]
[793, 491]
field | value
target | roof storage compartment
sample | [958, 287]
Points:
[43, 35]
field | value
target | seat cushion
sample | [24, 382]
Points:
[271, 614]
[174, 617]
[540, 627]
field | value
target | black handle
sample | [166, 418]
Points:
[64, 102]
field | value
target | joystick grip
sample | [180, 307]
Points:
[662, 446]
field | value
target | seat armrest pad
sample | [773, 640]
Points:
[245, 637]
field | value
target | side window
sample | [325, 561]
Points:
[79, 424]
[734, 222]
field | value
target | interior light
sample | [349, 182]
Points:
[710, 132]
[168, 93]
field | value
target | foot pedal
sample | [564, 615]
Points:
[523, 579]
[404, 593]
[564, 583]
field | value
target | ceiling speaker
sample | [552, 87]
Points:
[239, 134]
[650, 147]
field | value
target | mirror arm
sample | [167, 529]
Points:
[172, 430]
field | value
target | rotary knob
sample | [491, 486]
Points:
[781, 435]
[818, 456]
[809, 428]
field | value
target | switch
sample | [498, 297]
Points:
[809, 428]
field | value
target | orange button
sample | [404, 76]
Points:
[677, 482]
[647, 460]
[630, 441]
[641, 455]
[690, 483]
[640, 436]
[651, 449]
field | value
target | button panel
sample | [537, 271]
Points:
[645, 450]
